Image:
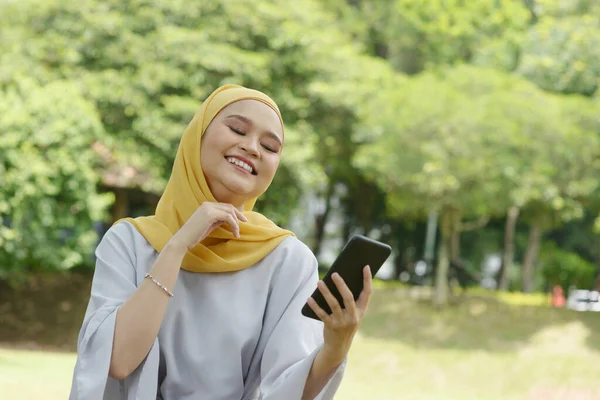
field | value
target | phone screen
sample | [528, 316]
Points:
[358, 252]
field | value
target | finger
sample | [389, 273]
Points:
[365, 295]
[336, 309]
[319, 312]
[233, 210]
[231, 221]
[234, 224]
[346, 293]
[240, 215]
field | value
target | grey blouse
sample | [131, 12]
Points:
[227, 336]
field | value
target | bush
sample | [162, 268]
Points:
[564, 268]
[48, 197]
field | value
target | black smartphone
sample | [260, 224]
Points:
[358, 252]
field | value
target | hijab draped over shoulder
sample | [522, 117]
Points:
[187, 189]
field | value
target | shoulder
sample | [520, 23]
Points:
[124, 240]
[122, 229]
[293, 260]
[294, 248]
[121, 234]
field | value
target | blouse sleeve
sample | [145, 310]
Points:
[114, 282]
[293, 340]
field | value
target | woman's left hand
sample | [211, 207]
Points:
[343, 322]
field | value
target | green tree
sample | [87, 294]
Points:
[473, 143]
[564, 268]
[49, 202]
[145, 65]
[557, 51]
[434, 154]
[560, 54]
[415, 34]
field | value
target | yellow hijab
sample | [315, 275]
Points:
[187, 189]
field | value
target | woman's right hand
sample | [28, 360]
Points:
[207, 218]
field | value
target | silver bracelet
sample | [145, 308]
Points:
[160, 285]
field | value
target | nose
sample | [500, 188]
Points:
[250, 146]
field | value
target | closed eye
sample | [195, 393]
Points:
[237, 131]
[241, 133]
[272, 150]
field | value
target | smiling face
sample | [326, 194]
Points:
[240, 151]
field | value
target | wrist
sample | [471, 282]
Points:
[325, 364]
[333, 356]
[175, 246]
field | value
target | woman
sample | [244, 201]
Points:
[203, 300]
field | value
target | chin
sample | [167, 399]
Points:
[239, 189]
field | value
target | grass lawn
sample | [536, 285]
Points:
[34, 375]
[482, 348]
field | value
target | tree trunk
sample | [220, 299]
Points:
[430, 236]
[531, 7]
[440, 297]
[441, 276]
[321, 220]
[509, 247]
[398, 266]
[346, 228]
[533, 249]
[120, 208]
[455, 245]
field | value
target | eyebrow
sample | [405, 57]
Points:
[249, 122]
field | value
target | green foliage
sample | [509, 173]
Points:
[561, 54]
[49, 201]
[147, 64]
[416, 34]
[565, 268]
[434, 151]
[554, 8]
[480, 140]
[470, 142]
[475, 139]
[557, 52]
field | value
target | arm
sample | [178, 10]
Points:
[295, 364]
[139, 318]
[322, 370]
[118, 337]
[113, 283]
[339, 330]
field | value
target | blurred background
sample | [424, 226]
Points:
[466, 134]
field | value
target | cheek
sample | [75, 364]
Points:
[273, 164]
[208, 159]
[212, 147]
[205, 163]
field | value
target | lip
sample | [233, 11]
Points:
[243, 159]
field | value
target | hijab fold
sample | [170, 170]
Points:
[187, 189]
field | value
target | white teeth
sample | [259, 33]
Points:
[240, 163]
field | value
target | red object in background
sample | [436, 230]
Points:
[558, 297]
